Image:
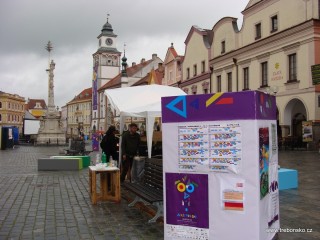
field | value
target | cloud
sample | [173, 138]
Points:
[145, 26]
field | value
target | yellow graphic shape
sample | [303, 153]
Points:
[213, 98]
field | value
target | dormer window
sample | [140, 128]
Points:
[38, 105]
[223, 47]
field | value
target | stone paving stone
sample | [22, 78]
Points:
[56, 204]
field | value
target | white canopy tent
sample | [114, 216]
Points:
[141, 101]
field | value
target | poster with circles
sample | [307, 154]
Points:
[188, 204]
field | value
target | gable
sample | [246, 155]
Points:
[251, 3]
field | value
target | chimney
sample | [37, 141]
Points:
[160, 67]
[143, 60]
[133, 64]
[154, 56]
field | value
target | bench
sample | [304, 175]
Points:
[150, 189]
[77, 147]
[55, 164]
[86, 160]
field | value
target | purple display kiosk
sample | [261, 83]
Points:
[220, 163]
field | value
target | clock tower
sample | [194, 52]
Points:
[106, 65]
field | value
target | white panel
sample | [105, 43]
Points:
[31, 126]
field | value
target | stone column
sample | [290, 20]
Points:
[51, 106]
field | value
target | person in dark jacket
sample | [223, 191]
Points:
[129, 148]
[109, 144]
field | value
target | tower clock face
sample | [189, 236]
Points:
[109, 41]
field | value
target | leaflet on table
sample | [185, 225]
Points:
[232, 194]
[210, 147]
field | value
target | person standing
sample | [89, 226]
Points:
[129, 148]
[109, 143]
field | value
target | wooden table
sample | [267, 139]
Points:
[109, 184]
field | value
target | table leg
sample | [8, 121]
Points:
[94, 188]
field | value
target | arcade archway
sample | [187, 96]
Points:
[294, 114]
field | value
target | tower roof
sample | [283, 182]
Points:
[107, 30]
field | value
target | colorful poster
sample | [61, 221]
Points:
[95, 87]
[232, 194]
[307, 131]
[193, 148]
[273, 204]
[187, 200]
[225, 147]
[274, 141]
[264, 161]
[210, 147]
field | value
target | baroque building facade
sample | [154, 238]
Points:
[79, 114]
[11, 110]
[273, 52]
[195, 67]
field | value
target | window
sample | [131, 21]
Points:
[195, 70]
[223, 47]
[246, 78]
[219, 83]
[274, 23]
[203, 66]
[264, 74]
[258, 31]
[188, 73]
[194, 89]
[292, 67]
[0, 118]
[229, 75]
[0, 104]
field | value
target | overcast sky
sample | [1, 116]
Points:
[146, 26]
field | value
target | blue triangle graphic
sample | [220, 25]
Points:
[172, 106]
[195, 103]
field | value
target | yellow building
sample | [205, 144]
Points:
[273, 52]
[195, 65]
[79, 114]
[11, 110]
[37, 107]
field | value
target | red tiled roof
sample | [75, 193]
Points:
[157, 76]
[173, 51]
[31, 104]
[116, 81]
[86, 94]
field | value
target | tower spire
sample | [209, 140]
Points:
[124, 62]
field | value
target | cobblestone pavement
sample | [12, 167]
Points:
[56, 204]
